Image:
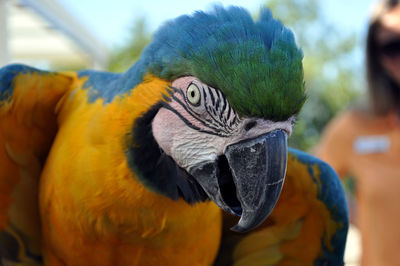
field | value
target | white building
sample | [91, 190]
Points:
[41, 33]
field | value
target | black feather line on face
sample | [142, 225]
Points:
[219, 111]
[212, 124]
[155, 169]
[189, 124]
[211, 110]
[194, 115]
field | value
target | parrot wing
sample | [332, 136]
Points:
[307, 227]
[28, 125]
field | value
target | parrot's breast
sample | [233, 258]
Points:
[94, 205]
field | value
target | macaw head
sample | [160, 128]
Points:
[221, 132]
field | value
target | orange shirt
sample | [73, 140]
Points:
[368, 148]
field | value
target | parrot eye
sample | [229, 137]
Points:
[193, 94]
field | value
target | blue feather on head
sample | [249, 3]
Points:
[256, 64]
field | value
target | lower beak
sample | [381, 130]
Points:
[252, 184]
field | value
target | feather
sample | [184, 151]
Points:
[257, 64]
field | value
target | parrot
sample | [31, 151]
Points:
[180, 160]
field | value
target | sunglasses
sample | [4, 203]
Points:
[390, 49]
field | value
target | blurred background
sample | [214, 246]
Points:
[109, 35]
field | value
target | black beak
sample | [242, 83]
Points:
[258, 169]
[252, 184]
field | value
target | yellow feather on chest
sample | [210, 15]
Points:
[92, 200]
[299, 217]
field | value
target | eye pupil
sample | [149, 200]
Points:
[193, 94]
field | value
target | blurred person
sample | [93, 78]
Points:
[365, 143]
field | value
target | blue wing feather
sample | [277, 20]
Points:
[308, 225]
[332, 195]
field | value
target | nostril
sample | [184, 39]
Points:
[250, 125]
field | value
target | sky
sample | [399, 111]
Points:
[110, 20]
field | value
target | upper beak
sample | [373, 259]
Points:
[252, 185]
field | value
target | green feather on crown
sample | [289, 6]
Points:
[256, 64]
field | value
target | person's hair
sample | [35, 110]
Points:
[384, 93]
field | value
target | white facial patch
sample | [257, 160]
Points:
[197, 128]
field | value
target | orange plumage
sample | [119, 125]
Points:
[94, 210]
[135, 168]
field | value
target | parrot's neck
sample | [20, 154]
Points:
[155, 169]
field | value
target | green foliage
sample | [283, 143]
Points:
[331, 79]
[124, 56]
